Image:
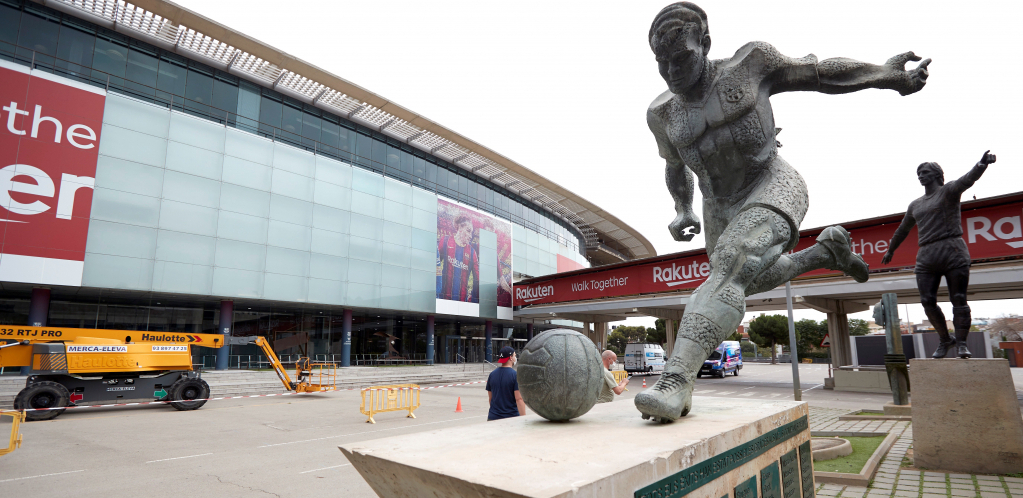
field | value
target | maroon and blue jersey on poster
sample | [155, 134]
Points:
[459, 271]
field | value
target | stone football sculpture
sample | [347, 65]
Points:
[715, 122]
[943, 251]
[559, 374]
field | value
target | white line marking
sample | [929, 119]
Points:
[726, 393]
[812, 388]
[775, 395]
[179, 458]
[366, 432]
[746, 394]
[706, 392]
[325, 468]
[44, 475]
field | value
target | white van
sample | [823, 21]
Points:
[644, 358]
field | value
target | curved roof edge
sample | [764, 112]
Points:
[176, 28]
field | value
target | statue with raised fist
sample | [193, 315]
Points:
[943, 251]
[715, 122]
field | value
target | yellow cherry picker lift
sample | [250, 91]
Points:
[75, 367]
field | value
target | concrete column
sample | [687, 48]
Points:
[38, 313]
[669, 335]
[226, 326]
[838, 330]
[586, 330]
[488, 340]
[346, 338]
[39, 307]
[529, 331]
[429, 339]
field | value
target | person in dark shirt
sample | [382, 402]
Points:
[503, 388]
[943, 251]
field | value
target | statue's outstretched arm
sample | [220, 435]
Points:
[900, 235]
[966, 181]
[679, 179]
[841, 75]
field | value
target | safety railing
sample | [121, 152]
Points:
[16, 419]
[393, 398]
[620, 375]
[318, 376]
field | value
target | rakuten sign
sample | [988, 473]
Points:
[991, 231]
[49, 137]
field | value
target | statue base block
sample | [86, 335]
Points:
[966, 417]
[724, 447]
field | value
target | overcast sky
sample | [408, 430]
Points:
[562, 88]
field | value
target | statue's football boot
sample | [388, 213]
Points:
[838, 242]
[943, 347]
[670, 398]
[961, 350]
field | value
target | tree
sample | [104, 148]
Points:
[768, 331]
[623, 335]
[657, 335]
[809, 334]
[1007, 328]
[858, 327]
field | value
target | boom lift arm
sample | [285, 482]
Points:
[304, 370]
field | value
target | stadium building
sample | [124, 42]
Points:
[162, 172]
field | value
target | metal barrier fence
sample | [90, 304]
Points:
[15, 442]
[257, 362]
[397, 397]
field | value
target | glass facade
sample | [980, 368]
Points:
[209, 187]
[71, 47]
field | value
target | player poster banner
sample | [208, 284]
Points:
[459, 281]
[49, 145]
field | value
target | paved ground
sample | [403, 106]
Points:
[287, 446]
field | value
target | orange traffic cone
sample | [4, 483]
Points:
[644, 382]
[458, 408]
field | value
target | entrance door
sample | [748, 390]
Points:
[453, 349]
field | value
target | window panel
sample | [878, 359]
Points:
[199, 91]
[285, 287]
[191, 189]
[331, 171]
[395, 233]
[193, 160]
[188, 218]
[197, 132]
[124, 207]
[363, 249]
[332, 195]
[331, 243]
[291, 210]
[270, 112]
[287, 261]
[248, 106]
[398, 192]
[366, 227]
[110, 58]
[242, 227]
[397, 213]
[247, 174]
[185, 248]
[367, 205]
[237, 283]
[328, 267]
[292, 185]
[249, 147]
[133, 115]
[10, 19]
[424, 240]
[395, 277]
[421, 199]
[364, 272]
[423, 260]
[75, 47]
[129, 176]
[120, 239]
[38, 33]
[294, 160]
[172, 77]
[291, 120]
[244, 200]
[142, 72]
[328, 218]
[133, 146]
[326, 291]
[288, 235]
[225, 101]
[117, 272]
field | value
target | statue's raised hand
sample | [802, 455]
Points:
[683, 221]
[987, 159]
[910, 81]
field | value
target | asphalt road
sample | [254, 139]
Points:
[283, 446]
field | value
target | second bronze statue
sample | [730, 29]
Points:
[943, 251]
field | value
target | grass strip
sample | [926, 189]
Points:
[852, 463]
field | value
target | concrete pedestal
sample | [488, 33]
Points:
[724, 447]
[966, 417]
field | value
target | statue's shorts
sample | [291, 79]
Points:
[943, 255]
[781, 190]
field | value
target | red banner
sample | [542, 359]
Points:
[49, 145]
[990, 232]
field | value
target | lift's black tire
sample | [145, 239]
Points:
[184, 390]
[44, 394]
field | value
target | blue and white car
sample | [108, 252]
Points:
[727, 358]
